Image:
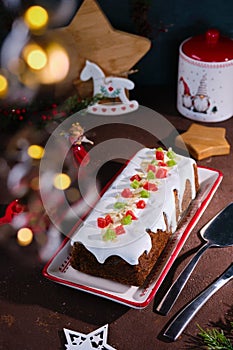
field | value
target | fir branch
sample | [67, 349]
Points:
[74, 103]
[215, 339]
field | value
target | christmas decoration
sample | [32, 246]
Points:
[198, 102]
[94, 340]
[91, 36]
[204, 141]
[110, 88]
[42, 112]
[76, 137]
[13, 209]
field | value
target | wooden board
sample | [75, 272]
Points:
[203, 141]
[91, 36]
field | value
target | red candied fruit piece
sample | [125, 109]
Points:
[101, 222]
[135, 177]
[108, 220]
[162, 164]
[159, 155]
[161, 173]
[119, 230]
[127, 193]
[141, 204]
[131, 213]
[150, 186]
[151, 167]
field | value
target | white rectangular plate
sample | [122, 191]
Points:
[59, 270]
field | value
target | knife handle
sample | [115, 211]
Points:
[174, 291]
[186, 314]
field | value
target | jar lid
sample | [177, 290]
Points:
[209, 47]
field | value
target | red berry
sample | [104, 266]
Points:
[141, 204]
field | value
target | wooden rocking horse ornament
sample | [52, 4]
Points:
[109, 88]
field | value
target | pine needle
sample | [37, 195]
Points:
[215, 339]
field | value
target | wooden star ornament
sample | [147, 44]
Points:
[90, 36]
[203, 141]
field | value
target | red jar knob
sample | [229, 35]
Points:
[212, 36]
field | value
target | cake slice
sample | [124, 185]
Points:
[126, 232]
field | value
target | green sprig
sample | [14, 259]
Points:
[215, 339]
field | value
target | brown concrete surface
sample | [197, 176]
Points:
[34, 310]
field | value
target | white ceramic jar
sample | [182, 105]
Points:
[205, 78]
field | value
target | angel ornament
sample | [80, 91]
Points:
[76, 138]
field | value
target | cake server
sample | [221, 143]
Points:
[217, 232]
[186, 314]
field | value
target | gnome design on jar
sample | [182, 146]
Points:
[187, 99]
[201, 100]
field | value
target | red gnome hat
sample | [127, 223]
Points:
[186, 88]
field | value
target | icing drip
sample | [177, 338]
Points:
[135, 240]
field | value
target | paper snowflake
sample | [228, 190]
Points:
[96, 340]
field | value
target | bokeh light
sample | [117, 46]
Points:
[35, 56]
[73, 194]
[36, 18]
[3, 86]
[35, 184]
[24, 236]
[57, 66]
[16, 65]
[61, 181]
[48, 65]
[35, 151]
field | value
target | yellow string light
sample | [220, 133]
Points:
[62, 181]
[35, 151]
[35, 56]
[36, 18]
[3, 86]
[58, 64]
[24, 236]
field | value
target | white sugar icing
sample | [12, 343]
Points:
[131, 245]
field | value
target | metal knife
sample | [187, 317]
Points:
[187, 313]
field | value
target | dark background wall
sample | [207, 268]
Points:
[181, 19]
[171, 21]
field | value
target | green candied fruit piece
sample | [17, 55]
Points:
[171, 162]
[159, 149]
[119, 205]
[109, 235]
[126, 220]
[144, 194]
[171, 154]
[154, 162]
[150, 175]
[135, 184]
